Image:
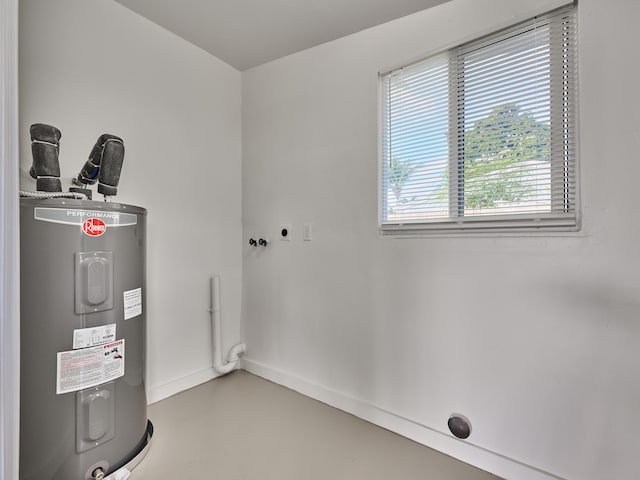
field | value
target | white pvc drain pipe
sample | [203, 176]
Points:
[237, 350]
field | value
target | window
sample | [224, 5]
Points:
[483, 136]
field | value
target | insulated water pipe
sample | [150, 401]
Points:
[237, 350]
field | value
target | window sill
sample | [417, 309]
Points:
[550, 225]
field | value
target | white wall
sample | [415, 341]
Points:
[95, 67]
[9, 243]
[535, 339]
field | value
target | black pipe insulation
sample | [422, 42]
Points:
[45, 149]
[104, 164]
[111, 166]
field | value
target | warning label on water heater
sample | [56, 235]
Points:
[88, 367]
[132, 303]
[90, 337]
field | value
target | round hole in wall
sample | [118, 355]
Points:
[459, 425]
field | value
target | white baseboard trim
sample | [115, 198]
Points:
[477, 456]
[160, 392]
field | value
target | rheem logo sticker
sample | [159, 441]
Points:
[94, 227]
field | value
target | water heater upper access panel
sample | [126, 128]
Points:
[93, 282]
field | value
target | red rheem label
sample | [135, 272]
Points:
[94, 227]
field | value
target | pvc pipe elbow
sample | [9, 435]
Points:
[236, 352]
[234, 356]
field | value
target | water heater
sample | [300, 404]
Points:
[83, 321]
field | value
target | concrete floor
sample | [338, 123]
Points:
[241, 427]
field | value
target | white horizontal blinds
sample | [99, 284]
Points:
[564, 106]
[415, 142]
[515, 111]
[483, 136]
[504, 122]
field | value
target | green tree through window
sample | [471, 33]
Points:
[399, 173]
[501, 153]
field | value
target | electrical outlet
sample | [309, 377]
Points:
[285, 232]
[306, 235]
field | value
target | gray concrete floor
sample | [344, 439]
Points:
[242, 427]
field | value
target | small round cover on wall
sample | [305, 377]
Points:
[459, 425]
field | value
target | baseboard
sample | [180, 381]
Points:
[444, 442]
[155, 394]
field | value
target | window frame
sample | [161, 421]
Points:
[544, 223]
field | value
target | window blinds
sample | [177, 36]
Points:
[483, 135]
